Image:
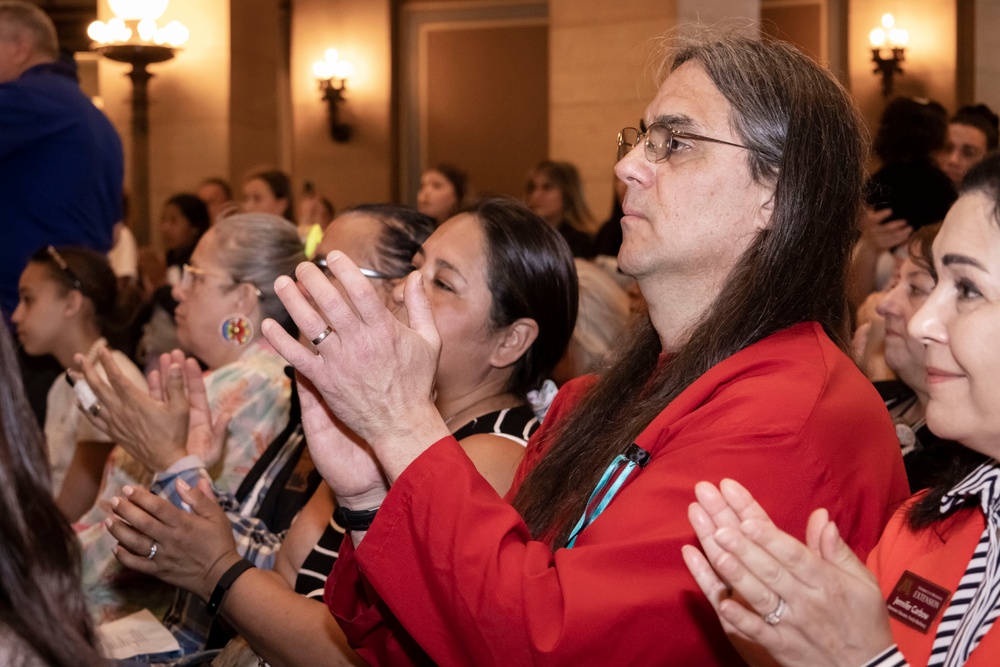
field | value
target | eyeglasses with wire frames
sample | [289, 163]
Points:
[658, 141]
[64, 267]
[367, 273]
[189, 273]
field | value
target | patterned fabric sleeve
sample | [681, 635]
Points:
[257, 394]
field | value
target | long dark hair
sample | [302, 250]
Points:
[806, 138]
[41, 600]
[566, 177]
[456, 176]
[531, 274]
[90, 273]
[193, 210]
[985, 178]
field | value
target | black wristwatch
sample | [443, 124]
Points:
[228, 578]
[354, 519]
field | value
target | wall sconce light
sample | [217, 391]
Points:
[133, 37]
[888, 66]
[332, 74]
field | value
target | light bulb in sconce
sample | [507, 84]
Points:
[877, 38]
[146, 29]
[323, 70]
[898, 37]
[332, 67]
[888, 21]
[98, 31]
[118, 31]
[134, 25]
[344, 70]
[174, 34]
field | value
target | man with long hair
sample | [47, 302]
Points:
[744, 181]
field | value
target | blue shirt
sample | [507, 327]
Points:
[61, 171]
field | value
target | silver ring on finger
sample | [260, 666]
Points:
[775, 616]
[322, 337]
[152, 551]
[96, 408]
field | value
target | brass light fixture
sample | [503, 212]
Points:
[332, 74]
[888, 35]
[133, 37]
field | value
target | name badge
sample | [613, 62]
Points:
[916, 602]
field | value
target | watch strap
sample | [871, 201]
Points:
[228, 578]
[354, 519]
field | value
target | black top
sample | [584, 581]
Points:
[609, 237]
[581, 244]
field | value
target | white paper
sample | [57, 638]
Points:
[137, 634]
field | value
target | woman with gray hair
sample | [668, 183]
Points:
[226, 292]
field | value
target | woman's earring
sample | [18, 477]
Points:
[237, 330]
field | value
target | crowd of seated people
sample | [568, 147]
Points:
[450, 433]
[517, 280]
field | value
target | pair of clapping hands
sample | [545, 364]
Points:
[163, 425]
[781, 601]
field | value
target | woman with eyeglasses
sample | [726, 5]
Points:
[502, 289]
[225, 292]
[68, 305]
[931, 593]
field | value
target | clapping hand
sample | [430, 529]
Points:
[186, 549]
[153, 426]
[809, 604]
[375, 373]
[345, 461]
[162, 426]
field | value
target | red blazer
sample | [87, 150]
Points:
[939, 554]
[449, 568]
